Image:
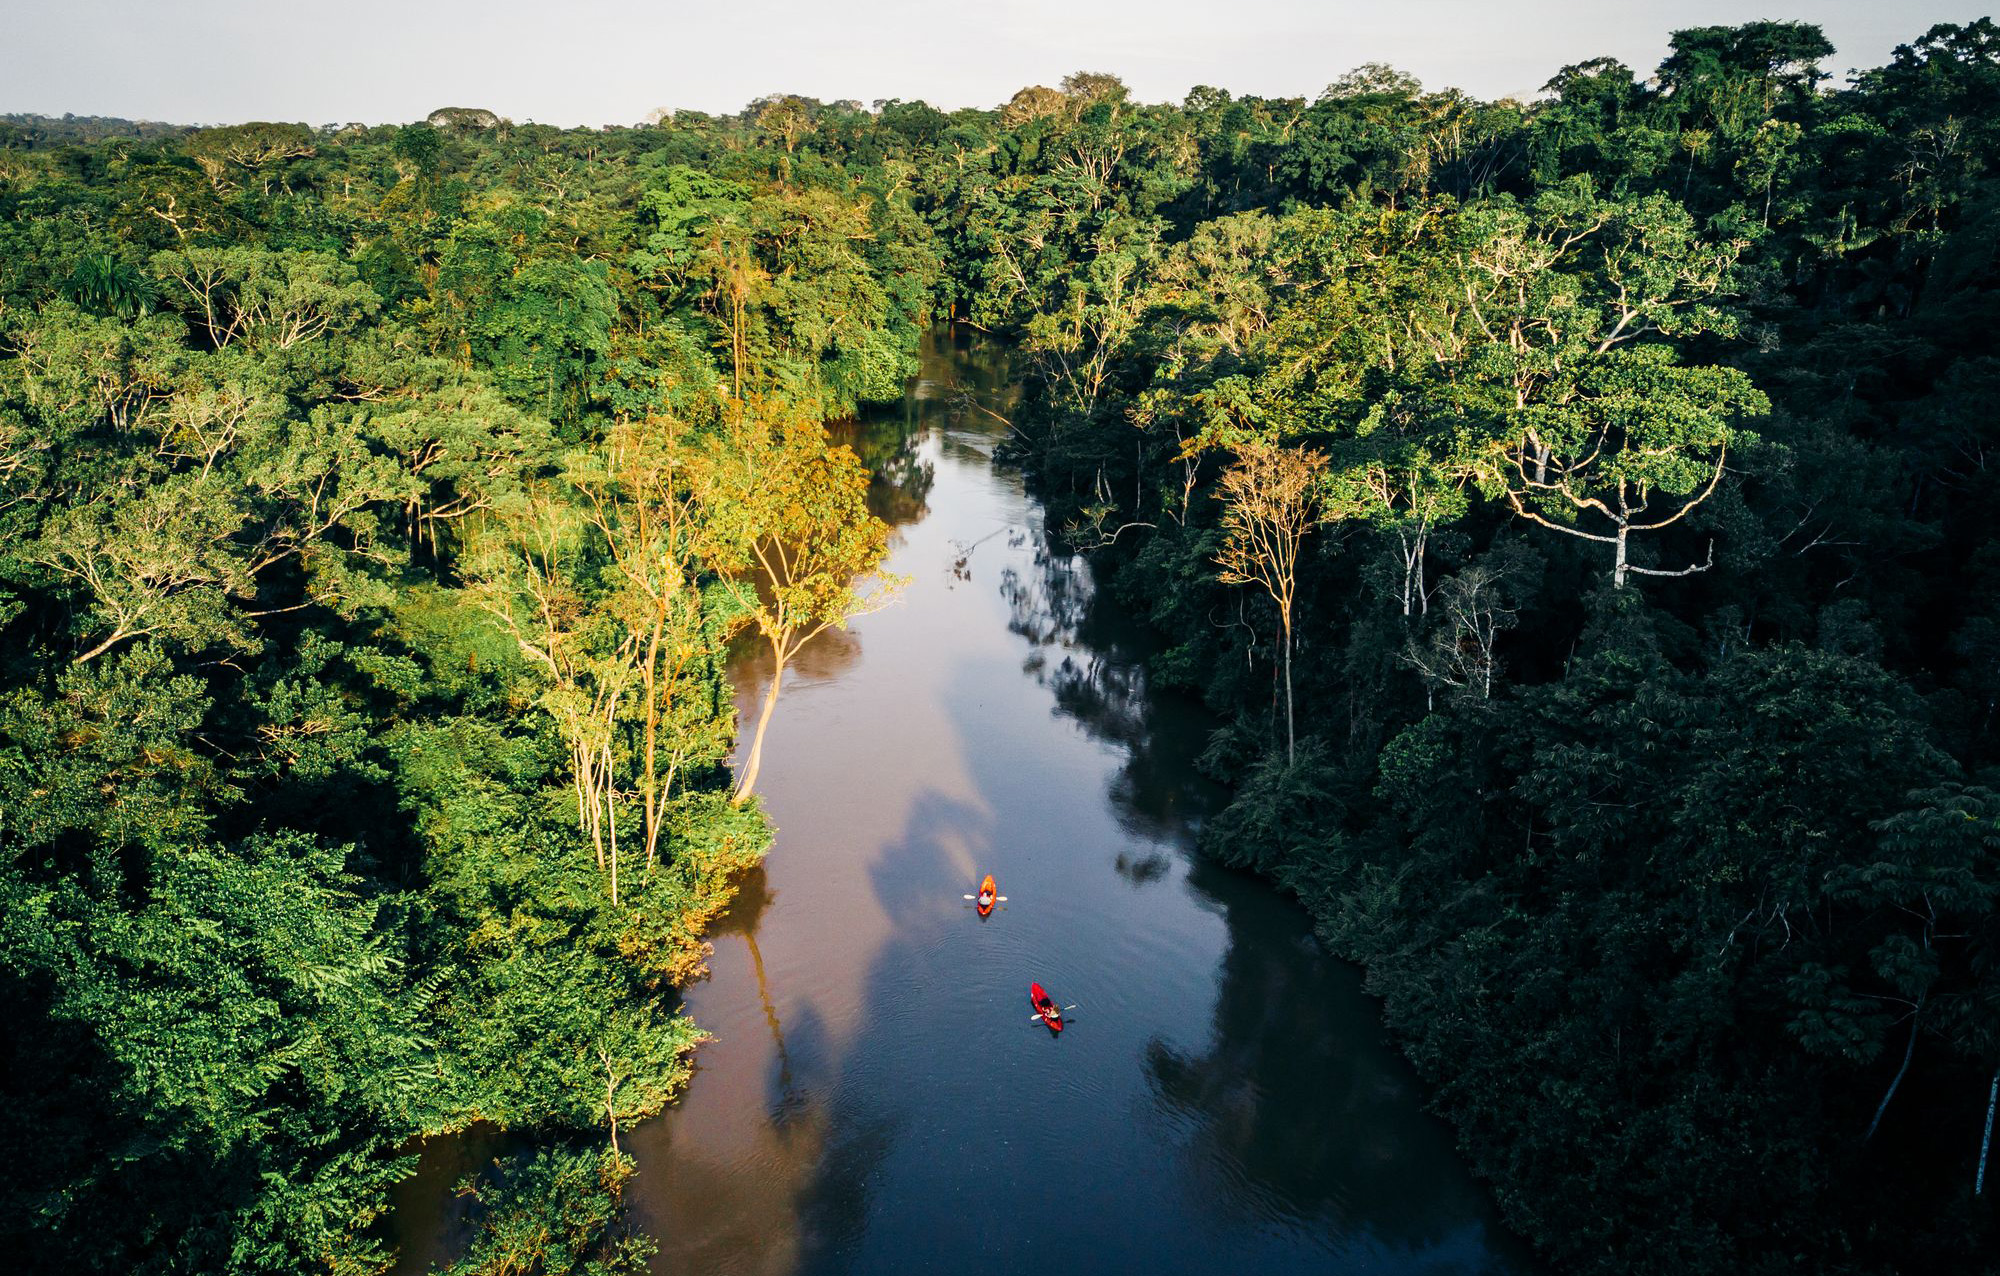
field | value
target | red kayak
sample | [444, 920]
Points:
[1045, 1007]
[987, 894]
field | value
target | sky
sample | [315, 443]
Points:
[590, 62]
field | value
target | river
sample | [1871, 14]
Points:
[877, 1098]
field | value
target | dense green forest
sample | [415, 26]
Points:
[1576, 510]
[377, 512]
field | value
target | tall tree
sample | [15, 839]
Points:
[1272, 500]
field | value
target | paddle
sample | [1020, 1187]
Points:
[1000, 899]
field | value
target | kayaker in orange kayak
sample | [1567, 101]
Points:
[988, 896]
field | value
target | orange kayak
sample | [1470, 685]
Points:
[987, 894]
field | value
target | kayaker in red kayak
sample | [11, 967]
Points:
[1045, 1007]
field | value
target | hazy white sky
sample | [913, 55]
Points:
[611, 61]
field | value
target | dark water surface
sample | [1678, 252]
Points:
[877, 1099]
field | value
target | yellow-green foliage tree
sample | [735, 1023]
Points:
[786, 520]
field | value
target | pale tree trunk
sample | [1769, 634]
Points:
[589, 815]
[611, 1113]
[1423, 597]
[1916, 1022]
[1412, 554]
[649, 775]
[737, 289]
[611, 819]
[577, 782]
[748, 780]
[607, 788]
[1291, 745]
[1992, 1098]
[610, 1095]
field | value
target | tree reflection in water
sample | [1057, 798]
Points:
[1091, 656]
[1296, 1110]
[958, 385]
[899, 478]
[1297, 1097]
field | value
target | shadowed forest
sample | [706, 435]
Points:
[1579, 514]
